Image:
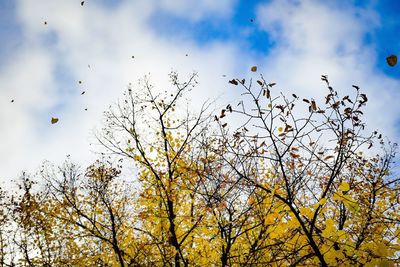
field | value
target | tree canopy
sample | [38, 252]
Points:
[271, 180]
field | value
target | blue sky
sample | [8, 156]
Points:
[292, 43]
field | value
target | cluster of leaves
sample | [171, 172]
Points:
[277, 189]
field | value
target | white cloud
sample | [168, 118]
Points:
[313, 38]
[44, 75]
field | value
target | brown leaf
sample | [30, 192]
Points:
[328, 157]
[233, 82]
[306, 100]
[54, 120]
[336, 105]
[222, 113]
[260, 82]
[364, 98]
[271, 84]
[391, 60]
[313, 105]
[254, 68]
[224, 125]
[295, 156]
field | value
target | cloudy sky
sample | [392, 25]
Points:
[48, 46]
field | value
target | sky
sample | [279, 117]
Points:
[52, 51]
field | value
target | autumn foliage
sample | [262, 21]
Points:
[272, 180]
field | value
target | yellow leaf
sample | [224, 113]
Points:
[344, 186]
[54, 120]
[381, 250]
[386, 263]
[254, 68]
[322, 201]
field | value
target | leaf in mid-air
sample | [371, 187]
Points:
[254, 68]
[54, 120]
[391, 60]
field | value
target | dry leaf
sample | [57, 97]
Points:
[391, 60]
[233, 82]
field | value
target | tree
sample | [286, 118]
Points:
[341, 201]
[272, 181]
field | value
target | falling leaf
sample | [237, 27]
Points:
[80, 82]
[45, 23]
[254, 68]
[186, 55]
[233, 82]
[82, 92]
[251, 20]
[12, 100]
[83, 2]
[54, 120]
[295, 96]
[85, 109]
[391, 60]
